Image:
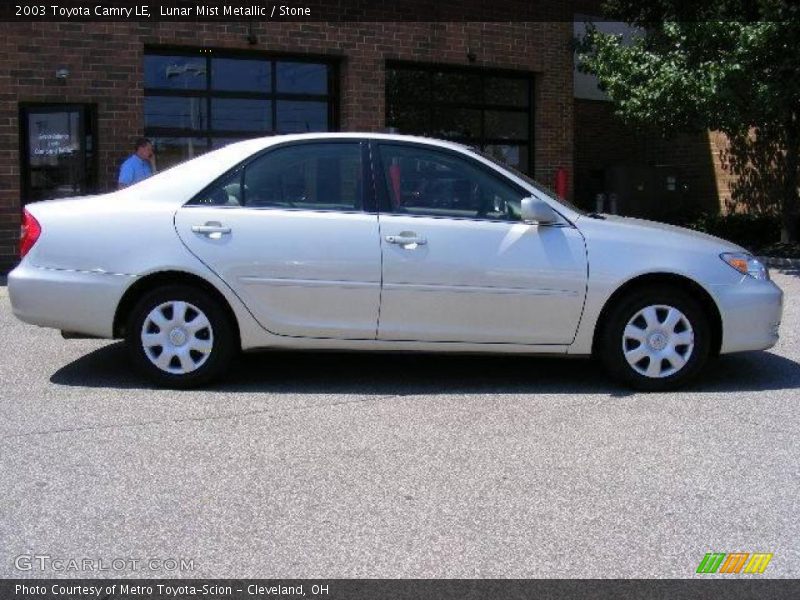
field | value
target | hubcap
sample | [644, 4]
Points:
[658, 341]
[177, 337]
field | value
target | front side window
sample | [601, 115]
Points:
[426, 182]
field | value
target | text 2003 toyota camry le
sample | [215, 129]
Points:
[384, 242]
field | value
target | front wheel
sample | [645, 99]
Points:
[655, 339]
[180, 337]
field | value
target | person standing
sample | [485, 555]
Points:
[137, 166]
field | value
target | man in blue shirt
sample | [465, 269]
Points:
[138, 165]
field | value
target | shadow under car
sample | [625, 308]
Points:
[336, 372]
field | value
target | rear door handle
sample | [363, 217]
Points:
[406, 239]
[211, 228]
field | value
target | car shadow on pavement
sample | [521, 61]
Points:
[420, 373]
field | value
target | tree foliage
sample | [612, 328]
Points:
[727, 66]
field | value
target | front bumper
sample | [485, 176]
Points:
[76, 301]
[751, 314]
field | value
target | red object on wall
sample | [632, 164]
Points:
[560, 183]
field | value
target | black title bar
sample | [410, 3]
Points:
[290, 10]
[643, 11]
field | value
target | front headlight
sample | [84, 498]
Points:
[746, 264]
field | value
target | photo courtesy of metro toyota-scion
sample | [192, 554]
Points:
[366, 241]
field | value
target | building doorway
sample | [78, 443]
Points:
[58, 150]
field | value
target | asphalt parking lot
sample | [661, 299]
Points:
[369, 465]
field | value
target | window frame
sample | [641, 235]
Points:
[367, 181]
[208, 93]
[383, 200]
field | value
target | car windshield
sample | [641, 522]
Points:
[527, 179]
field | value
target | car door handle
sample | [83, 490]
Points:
[211, 228]
[406, 239]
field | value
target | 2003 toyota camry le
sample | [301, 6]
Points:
[380, 242]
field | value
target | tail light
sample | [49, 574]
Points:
[30, 230]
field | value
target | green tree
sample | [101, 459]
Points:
[724, 65]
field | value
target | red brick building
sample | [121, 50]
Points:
[649, 176]
[636, 171]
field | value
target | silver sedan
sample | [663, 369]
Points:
[380, 242]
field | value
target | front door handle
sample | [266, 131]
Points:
[406, 238]
[212, 229]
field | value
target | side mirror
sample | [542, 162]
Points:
[534, 210]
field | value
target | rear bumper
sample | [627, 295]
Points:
[751, 314]
[76, 301]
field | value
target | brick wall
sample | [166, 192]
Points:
[605, 146]
[105, 63]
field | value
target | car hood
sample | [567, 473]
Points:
[652, 232]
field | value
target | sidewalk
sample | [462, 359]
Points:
[780, 263]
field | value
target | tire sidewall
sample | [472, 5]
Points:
[612, 353]
[224, 344]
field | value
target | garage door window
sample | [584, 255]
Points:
[196, 101]
[489, 110]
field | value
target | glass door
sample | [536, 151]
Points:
[57, 151]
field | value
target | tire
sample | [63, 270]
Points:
[655, 339]
[180, 351]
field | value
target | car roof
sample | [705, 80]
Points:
[265, 142]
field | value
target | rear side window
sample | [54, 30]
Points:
[324, 176]
[424, 182]
[306, 176]
[223, 192]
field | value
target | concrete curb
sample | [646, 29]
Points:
[780, 263]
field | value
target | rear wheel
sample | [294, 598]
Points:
[656, 339]
[180, 337]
